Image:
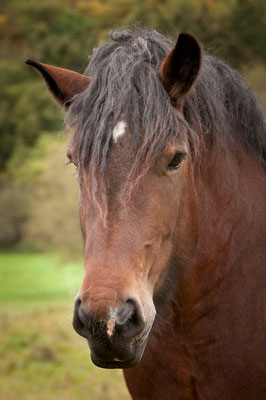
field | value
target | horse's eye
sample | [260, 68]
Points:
[70, 159]
[176, 161]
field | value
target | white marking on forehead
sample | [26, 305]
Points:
[119, 130]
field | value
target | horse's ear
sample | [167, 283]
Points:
[181, 67]
[63, 83]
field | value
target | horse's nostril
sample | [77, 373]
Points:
[79, 320]
[126, 312]
[77, 302]
[130, 321]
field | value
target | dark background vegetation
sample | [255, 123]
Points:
[38, 194]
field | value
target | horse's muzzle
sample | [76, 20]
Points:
[116, 341]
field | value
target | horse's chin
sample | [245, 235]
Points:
[115, 364]
[132, 357]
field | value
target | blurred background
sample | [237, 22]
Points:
[40, 244]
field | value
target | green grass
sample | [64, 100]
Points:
[26, 277]
[41, 357]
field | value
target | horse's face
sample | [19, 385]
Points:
[134, 254]
[128, 259]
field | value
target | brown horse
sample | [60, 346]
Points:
[170, 150]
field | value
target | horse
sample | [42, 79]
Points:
[169, 143]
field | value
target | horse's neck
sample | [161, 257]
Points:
[216, 322]
[231, 208]
[229, 265]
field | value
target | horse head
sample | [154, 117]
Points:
[133, 210]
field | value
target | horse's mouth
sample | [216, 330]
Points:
[114, 364]
[127, 356]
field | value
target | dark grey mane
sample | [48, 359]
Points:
[223, 108]
[126, 85]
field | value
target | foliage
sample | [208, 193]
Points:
[55, 195]
[52, 212]
[26, 110]
[247, 33]
[234, 29]
[47, 32]
[13, 212]
[39, 198]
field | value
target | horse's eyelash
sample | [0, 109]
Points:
[71, 162]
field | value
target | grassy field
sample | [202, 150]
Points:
[41, 357]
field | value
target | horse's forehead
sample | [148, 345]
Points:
[122, 152]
